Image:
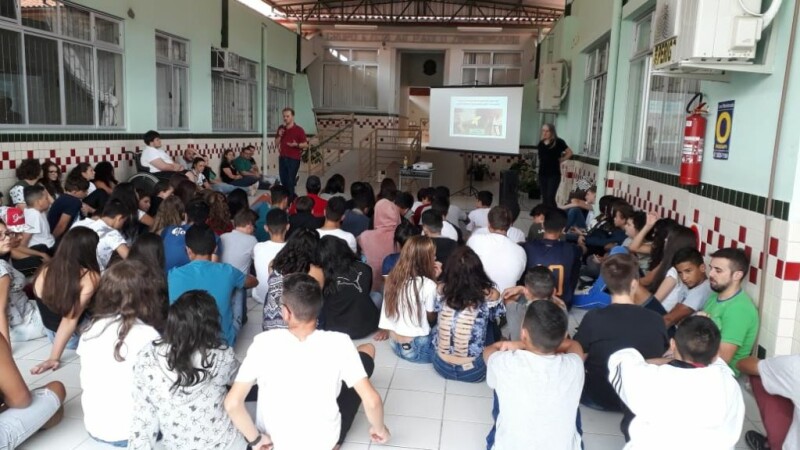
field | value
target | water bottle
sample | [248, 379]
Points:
[405, 162]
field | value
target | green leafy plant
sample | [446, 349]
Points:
[528, 178]
[478, 171]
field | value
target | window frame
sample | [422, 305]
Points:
[354, 66]
[238, 79]
[595, 82]
[491, 67]
[288, 89]
[16, 26]
[174, 66]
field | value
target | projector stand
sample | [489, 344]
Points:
[469, 190]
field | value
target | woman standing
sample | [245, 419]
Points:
[552, 152]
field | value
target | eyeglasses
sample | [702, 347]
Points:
[7, 234]
[52, 172]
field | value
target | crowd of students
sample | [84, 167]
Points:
[151, 289]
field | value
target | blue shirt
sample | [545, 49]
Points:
[562, 258]
[174, 238]
[261, 233]
[218, 279]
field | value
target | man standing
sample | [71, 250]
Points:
[292, 141]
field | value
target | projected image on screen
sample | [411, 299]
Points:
[478, 117]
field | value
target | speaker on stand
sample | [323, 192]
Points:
[509, 186]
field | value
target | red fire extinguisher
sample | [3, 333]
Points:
[693, 140]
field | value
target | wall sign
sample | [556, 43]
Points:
[722, 129]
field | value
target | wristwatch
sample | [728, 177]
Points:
[255, 441]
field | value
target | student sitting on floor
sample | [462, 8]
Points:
[37, 235]
[19, 317]
[67, 207]
[334, 212]
[23, 412]
[180, 382]
[107, 228]
[691, 402]
[479, 217]
[503, 260]
[302, 401]
[539, 285]
[302, 216]
[536, 231]
[432, 223]
[402, 234]
[537, 388]
[277, 225]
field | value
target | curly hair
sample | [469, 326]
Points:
[299, 253]
[170, 213]
[336, 259]
[219, 217]
[464, 282]
[29, 169]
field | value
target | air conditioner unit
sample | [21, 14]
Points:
[224, 61]
[721, 33]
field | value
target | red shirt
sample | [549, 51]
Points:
[293, 134]
[319, 206]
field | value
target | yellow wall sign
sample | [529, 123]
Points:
[662, 52]
[722, 129]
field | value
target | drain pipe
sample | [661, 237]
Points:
[264, 100]
[611, 93]
[768, 217]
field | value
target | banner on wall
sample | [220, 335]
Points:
[722, 130]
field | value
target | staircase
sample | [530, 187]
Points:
[384, 149]
[333, 141]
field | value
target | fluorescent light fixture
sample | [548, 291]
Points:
[355, 27]
[480, 29]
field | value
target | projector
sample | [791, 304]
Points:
[422, 166]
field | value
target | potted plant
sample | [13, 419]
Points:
[478, 171]
[528, 179]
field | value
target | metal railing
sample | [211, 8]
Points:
[385, 146]
[333, 143]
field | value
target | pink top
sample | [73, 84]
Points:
[378, 243]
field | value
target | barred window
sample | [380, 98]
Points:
[234, 99]
[491, 68]
[172, 81]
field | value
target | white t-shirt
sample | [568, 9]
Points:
[456, 215]
[38, 227]
[694, 298]
[503, 260]
[201, 179]
[538, 397]
[401, 325]
[237, 249]
[781, 376]
[341, 234]
[107, 383]
[151, 153]
[263, 254]
[678, 407]
[449, 231]
[478, 218]
[515, 234]
[110, 239]
[298, 383]
[92, 188]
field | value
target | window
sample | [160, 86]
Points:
[234, 98]
[172, 81]
[350, 79]
[280, 95]
[491, 68]
[656, 108]
[595, 98]
[60, 65]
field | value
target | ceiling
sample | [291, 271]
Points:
[475, 13]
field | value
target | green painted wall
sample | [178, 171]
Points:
[303, 104]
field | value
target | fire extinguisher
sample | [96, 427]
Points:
[693, 140]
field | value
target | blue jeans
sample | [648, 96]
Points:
[472, 373]
[223, 188]
[287, 169]
[72, 343]
[239, 302]
[420, 350]
[576, 217]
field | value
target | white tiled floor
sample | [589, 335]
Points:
[423, 411]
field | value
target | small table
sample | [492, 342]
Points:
[415, 174]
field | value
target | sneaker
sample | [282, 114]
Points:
[756, 440]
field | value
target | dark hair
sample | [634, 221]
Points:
[197, 211]
[690, 255]
[192, 327]
[698, 339]
[334, 185]
[500, 218]
[619, 271]
[639, 219]
[244, 218]
[81, 168]
[53, 187]
[605, 203]
[426, 192]
[177, 178]
[433, 220]
[486, 198]
[313, 185]
[219, 215]
[75, 253]
[75, 183]
[237, 201]
[185, 190]
[277, 220]
[29, 169]
[33, 193]
[149, 249]
[278, 193]
[364, 200]
[464, 282]
[335, 209]
[133, 291]
[114, 208]
[540, 210]
[104, 172]
[441, 205]
[302, 296]
[388, 189]
[539, 280]
[555, 220]
[357, 187]
[125, 192]
[404, 200]
[197, 160]
[201, 240]
[304, 204]
[661, 229]
[336, 259]
[404, 231]
[679, 238]
[299, 252]
[161, 186]
[737, 258]
[442, 192]
[287, 109]
[546, 325]
[151, 136]
[624, 210]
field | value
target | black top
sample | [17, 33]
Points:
[444, 247]
[304, 220]
[350, 309]
[51, 320]
[549, 157]
[226, 164]
[64, 204]
[615, 327]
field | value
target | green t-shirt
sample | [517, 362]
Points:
[242, 164]
[737, 319]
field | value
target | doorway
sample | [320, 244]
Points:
[419, 70]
